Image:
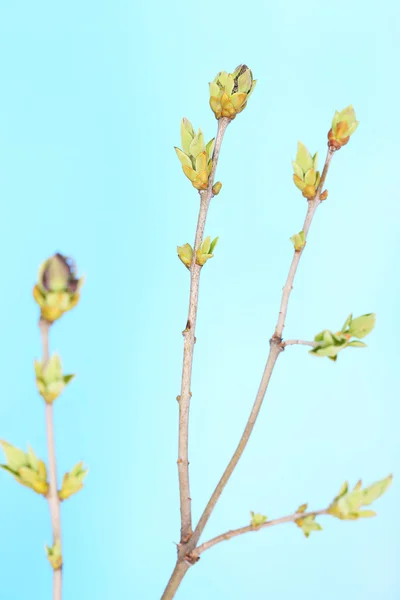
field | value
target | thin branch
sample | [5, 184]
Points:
[300, 342]
[312, 207]
[248, 528]
[52, 496]
[275, 349]
[188, 348]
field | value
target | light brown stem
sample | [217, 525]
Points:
[178, 574]
[248, 528]
[299, 342]
[52, 495]
[188, 348]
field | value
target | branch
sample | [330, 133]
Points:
[300, 342]
[188, 347]
[235, 532]
[52, 496]
[312, 207]
[275, 349]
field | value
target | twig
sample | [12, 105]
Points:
[275, 349]
[300, 342]
[235, 532]
[188, 348]
[312, 207]
[52, 496]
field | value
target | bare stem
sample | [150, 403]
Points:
[275, 349]
[300, 342]
[248, 528]
[188, 347]
[52, 496]
[178, 574]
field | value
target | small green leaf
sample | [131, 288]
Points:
[304, 158]
[213, 244]
[197, 145]
[347, 322]
[16, 458]
[205, 246]
[297, 170]
[376, 490]
[362, 326]
[184, 158]
[209, 148]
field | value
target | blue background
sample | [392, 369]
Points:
[92, 96]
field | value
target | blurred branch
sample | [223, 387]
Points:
[52, 496]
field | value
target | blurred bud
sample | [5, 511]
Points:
[347, 504]
[299, 241]
[257, 519]
[344, 124]
[216, 188]
[57, 289]
[26, 468]
[206, 250]
[308, 524]
[306, 177]
[195, 156]
[229, 92]
[50, 380]
[72, 481]
[185, 253]
[54, 555]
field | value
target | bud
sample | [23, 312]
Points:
[229, 92]
[306, 177]
[185, 253]
[57, 289]
[257, 519]
[216, 188]
[206, 250]
[344, 124]
[308, 524]
[324, 195]
[299, 241]
[54, 555]
[72, 481]
[50, 380]
[195, 157]
[347, 504]
[26, 468]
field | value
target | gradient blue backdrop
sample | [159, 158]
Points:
[92, 95]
